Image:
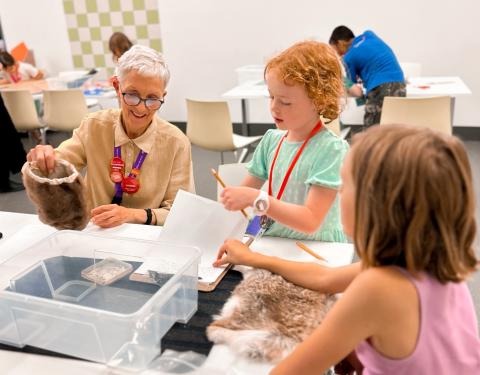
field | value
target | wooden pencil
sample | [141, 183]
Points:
[310, 251]
[222, 184]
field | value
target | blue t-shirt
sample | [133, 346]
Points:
[319, 164]
[373, 61]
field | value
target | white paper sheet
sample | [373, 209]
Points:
[204, 223]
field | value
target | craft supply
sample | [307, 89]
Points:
[107, 271]
[310, 251]
[222, 184]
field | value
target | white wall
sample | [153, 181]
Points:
[205, 40]
[41, 25]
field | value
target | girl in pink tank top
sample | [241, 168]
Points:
[407, 202]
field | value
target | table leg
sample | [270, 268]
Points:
[452, 109]
[245, 131]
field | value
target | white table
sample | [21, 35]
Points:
[353, 114]
[221, 359]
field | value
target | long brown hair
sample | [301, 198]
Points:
[414, 201]
[316, 67]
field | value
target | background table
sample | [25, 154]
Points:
[353, 114]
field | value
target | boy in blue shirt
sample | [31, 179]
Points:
[370, 59]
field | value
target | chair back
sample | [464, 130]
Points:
[21, 108]
[209, 125]
[233, 175]
[432, 112]
[64, 109]
[333, 125]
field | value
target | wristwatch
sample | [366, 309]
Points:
[261, 203]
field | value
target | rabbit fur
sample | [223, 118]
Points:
[267, 316]
[62, 205]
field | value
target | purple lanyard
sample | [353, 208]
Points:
[117, 152]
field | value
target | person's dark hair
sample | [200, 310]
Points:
[6, 59]
[341, 33]
[119, 44]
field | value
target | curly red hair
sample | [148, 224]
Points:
[316, 67]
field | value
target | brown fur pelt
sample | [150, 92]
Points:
[267, 316]
[60, 196]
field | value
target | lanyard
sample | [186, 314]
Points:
[128, 184]
[314, 131]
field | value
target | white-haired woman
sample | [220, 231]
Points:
[135, 161]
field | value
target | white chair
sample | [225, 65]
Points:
[64, 109]
[432, 112]
[233, 175]
[334, 126]
[209, 126]
[21, 108]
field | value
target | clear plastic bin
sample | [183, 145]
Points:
[45, 302]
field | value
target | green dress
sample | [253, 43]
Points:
[319, 164]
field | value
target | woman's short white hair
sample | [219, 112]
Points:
[145, 60]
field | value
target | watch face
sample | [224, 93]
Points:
[261, 205]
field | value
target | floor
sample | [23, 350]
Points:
[206, 186]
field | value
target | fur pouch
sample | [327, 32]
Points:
[267, 316]
[60, 197]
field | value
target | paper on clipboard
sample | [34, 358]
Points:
[204, 223]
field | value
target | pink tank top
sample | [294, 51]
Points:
[448, 341]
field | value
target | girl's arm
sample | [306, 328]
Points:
[306, 218]
[354, 318]
[308, 275]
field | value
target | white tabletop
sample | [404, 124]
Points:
[23, 230]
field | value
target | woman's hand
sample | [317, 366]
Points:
[235, 252]
[110, 215]
[237, 198]
[44, 155]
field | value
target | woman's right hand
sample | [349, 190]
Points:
[44, 155]
[235, 252]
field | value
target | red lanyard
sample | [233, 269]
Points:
[314, 131]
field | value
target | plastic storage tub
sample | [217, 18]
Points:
[46, 302]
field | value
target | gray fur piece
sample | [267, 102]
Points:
[60, 196]
[267, 316]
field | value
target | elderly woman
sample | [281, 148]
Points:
[135, 161]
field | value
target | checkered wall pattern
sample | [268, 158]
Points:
[90, 24]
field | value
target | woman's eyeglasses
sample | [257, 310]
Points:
[134, 100]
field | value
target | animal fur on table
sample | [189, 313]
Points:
[60, 196]
[267, 316]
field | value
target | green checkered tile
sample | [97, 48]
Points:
[128, 18]
[152, 16]
[99, 60]
[156, 44]
[138, 4]
[73, 35]
[142, 32]
[91, 6]
[82, 20]
[105, 19]
[86, 47]
[68, 7]
[95, 33]
[115, 5]
[77, 61]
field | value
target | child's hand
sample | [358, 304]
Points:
[235, 252]
[238, 198]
